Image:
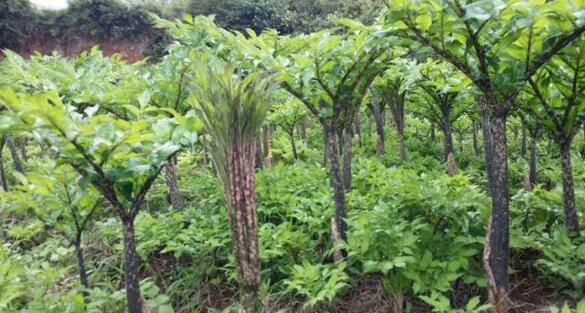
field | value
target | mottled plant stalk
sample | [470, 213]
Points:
[172, 184]
[379, 121]
[241, 207]
[131, 280]
[18, 166]
[571, 218]
[3, 181]
[533, 172]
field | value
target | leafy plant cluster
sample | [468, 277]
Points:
[361, 155]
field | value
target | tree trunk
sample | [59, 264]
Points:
[523, 143]
[23, 151]
[206, 159]
[486, 129]
[379, 121]
[571, 218]
[303, 129]
[583, 147]
[171, 179]
[337, 183]
[81, 265]
[347, 155]
[326, 148]
[266, 143]
[448, 139]
[258, 153]
[133, 298]
[402, 144]
[293, 145]
[240, 189]
[475, 146]
[3, 180]
[533, 173]
[496, 250]
[448, 147]
[14, 153]
[358, 128]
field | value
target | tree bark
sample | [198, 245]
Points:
[379, 121]
[496, 250]
[347, 155]
[206, 158]
[293, 145]
[583, 146]
[266, 144]
[240, 189]
[133, 298]
[571, 218]
[523, 142]
[448, 147]
[475, 146]
[402, 145]
[326, 148]
[337, 183]
[81, 265]
[448, 139]
[358, 128]
[533, 173]
[14, 153]
[486, 129]
[23, 149]
[171, 180]
[303, 129]
[258, 153]
[3, 180]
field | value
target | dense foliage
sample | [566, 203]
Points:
[303, 171]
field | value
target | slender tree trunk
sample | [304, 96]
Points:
[205, 151]
[293, 145]
[533, 173]
[3, 180]
[486, 129]
[241, 203]
[258, 153]
[402, 144]
[496, 250]
[583, 146]
[337, 184]
[571, 218]
[81, 264]
[133, 298]
[23, 151]
[347, 155]
[523, 142]
[460, 135]
[326, 147]
[171, 179]
[358, 128]
[303, 129]
[475, 146]
[448, 147]
[14, 152]
[379, 121]
[266, 145]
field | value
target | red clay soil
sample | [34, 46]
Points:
[131, 51]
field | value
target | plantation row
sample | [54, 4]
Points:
[424, 163]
